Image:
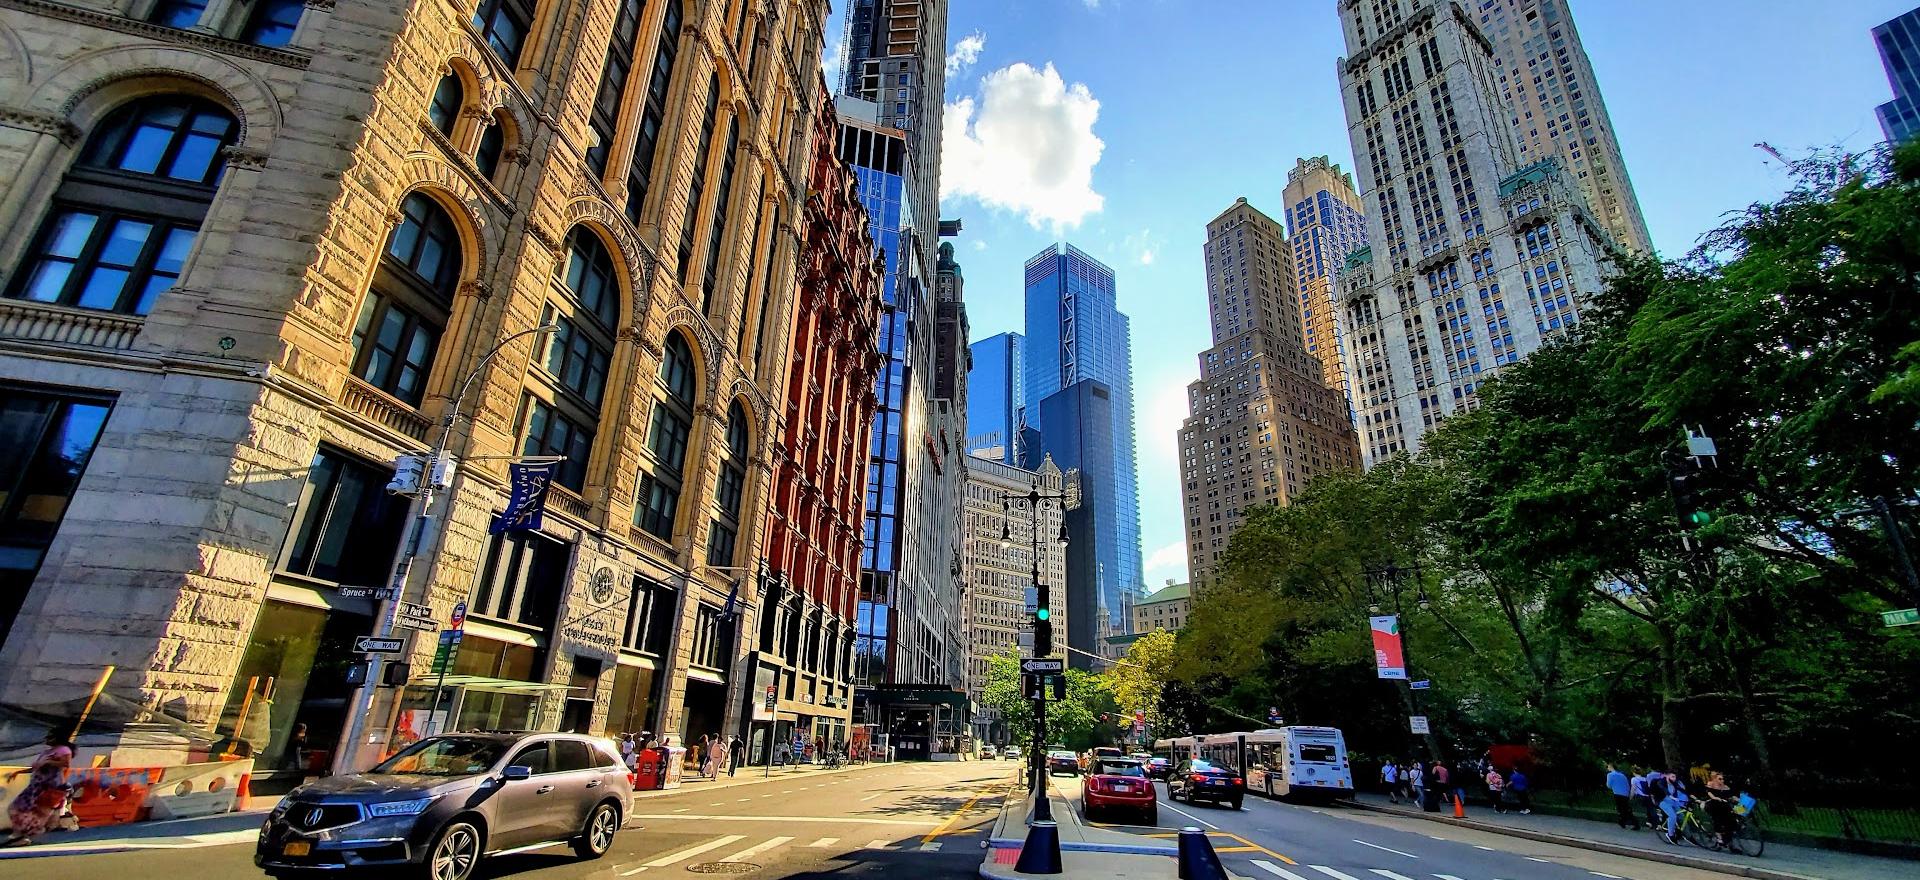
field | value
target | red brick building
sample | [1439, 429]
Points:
[814, 528]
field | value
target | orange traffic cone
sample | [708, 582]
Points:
[244, 793]
[1459, 807]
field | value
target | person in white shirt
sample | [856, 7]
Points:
[1390, 776]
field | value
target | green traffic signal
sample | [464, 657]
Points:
[1042, 614]
[1699, 518]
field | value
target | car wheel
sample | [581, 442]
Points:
[455, 853]
[597, 837]
[1235, 805]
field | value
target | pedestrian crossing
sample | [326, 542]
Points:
[1325, 872]
[760, 849]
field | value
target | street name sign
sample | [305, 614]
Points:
[415, 623]
[1043, 664]
[376, 645]
[1419, 724]
[1903, 617]
[1420, 685]
[362, 592]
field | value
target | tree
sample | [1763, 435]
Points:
[1072, 722]
[1138, 679]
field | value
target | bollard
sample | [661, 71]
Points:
[1041, 853]
[1198, 861]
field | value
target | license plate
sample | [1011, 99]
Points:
[1123, 787]
[296, 848]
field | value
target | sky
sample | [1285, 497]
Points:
[1123, 126]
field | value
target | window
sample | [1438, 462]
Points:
[712, 639]
[647, 138]
[524, 579]
[659, 496]
[590, 277]
[493, 143]
[448, 98]
[696, 188]
[550, 433]
[537, 757]
[46, 440]
[728, 490]
[717, 233]
[650, 613]
[400, 323]
[504, 25]
[125, 216]
[271, 22]
[347, 526]
[577, 360]
[178, 13]
[613, 84]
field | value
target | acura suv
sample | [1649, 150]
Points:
[442, 804]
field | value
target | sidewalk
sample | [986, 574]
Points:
[1084, 851]
[753, 775]
[1780, 862]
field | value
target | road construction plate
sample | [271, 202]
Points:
[723, 868]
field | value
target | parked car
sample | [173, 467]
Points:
[1063, 762]
[1202, 780]
[1120, 784]
[1158, 768]
[443, 804]
[987, 753]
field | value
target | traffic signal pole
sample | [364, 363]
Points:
[1035, 502]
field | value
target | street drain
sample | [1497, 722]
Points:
[723, 868]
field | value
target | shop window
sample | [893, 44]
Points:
[653, 116]
[650, 613]
[292, 679]
[125, 216]
[346, 526]
[631, 708]
[46, 440]
[524, 580]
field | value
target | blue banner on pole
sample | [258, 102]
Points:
[528, 503]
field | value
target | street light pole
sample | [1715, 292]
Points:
[1036, 501]
[1390, 577]
[346, 757]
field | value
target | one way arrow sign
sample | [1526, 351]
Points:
[1043, 664]
[376, 645]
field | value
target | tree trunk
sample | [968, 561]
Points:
[1670, 702]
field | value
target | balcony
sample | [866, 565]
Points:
[65, 325]
[564, 500]
[382, 408]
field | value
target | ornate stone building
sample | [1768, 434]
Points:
[254, 251]
[814, 530]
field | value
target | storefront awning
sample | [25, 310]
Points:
[493, 685]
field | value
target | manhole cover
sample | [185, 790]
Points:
[723, 868]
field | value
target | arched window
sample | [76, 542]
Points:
[727, 492]
[613, 83]
[505, 24]
[125, 215]
[405, 313]
[654, 115]
[448, 97]
[696, 189]
[493, 145]
[584, 306]
[658, 503]
[271, 22]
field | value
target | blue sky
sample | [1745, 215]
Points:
[1196, 102]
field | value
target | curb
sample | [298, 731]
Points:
[684, 789]
[1650, 855]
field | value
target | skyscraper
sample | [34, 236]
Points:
[996, 397]
[998, 574]
[1074, 427]
[1553, 98]
[1262, 421]
[1075, 333]
[1326, 221]
[1474, 259]
[1899, 43]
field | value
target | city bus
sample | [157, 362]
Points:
[1296, 763]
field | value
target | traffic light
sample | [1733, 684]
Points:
[1043, 624]
[1687, 502]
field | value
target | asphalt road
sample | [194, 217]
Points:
[924, 821]
[1272, 840]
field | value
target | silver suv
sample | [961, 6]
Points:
[443, 803]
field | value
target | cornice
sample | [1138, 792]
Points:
[62, 12]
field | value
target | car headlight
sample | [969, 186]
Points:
[400, 808]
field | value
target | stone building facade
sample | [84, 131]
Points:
[814, 529]
[254, 251]
[1000, 564]
[1166, 608]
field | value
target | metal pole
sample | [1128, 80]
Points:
[1892, 525]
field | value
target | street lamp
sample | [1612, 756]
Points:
[1035, 502]
[1389, 580]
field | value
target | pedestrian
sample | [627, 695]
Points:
[716, 756]
[39, 804]
[1494, 785]
[1622, 790]
[1521, 788]
[1672, 803]
[295, 757]
[628, 751]
[1416, 784]
[1390, 778]
[1652, 786]
[738, 750]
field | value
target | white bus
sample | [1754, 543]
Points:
[1299, 763]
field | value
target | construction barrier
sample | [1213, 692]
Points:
[190, 790]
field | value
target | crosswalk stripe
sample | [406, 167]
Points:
[1276, 870]
[1389, 874]
[879, 844]
[692, 851]
[1446, 877]
[1336, 875]
[825, 841]
[756, 849]
[930, 847]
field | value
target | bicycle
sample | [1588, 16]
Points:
[1696, 827]
[834, 761]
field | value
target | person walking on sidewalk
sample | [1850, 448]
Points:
[1494, 785]
[1622, 790]
[1521, 788]
[39, 803]
[738, 752]
[1416, 783]
[1390, 777]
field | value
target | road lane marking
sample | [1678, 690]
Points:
[743, 800]
[1487, 848]
[872, 796]
[716, 804]
[878, 844]
[681, 810]
[1606, 875]
[957, 814]
[1276, 870]
[1191, 816]
[756, 849]
[1385, 849]
[930, 847]
[692, 851]
[1389, 874]
[824, 842]
[1451, 877]
[844, 820]
[1541, 861]
[1336, 875]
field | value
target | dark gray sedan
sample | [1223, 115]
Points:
[443, 803]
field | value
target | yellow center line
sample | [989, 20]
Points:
[942, 829]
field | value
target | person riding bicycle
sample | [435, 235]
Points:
[1672, 803]
[1720, 804]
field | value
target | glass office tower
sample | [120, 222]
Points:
[1075, 332]
[996, 397]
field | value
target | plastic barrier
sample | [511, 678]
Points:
[190, 790]
[109, 795]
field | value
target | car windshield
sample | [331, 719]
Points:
[445, 756]
[1120, 768]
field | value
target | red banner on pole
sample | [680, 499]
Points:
[1388, 659]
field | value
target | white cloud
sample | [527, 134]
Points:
[830, 64]
[965, 52]
[979, 244]
[1026, 144]
[1142, 246]
[1168, 561]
